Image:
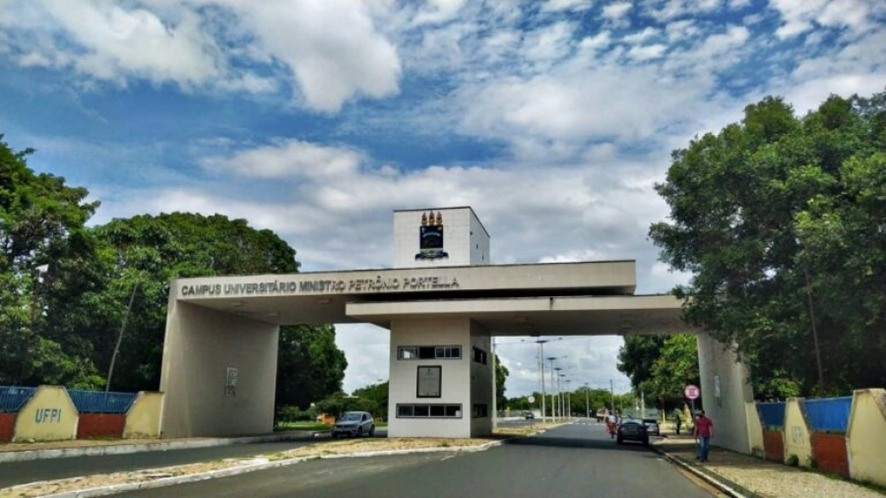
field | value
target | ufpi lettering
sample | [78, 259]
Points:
[48, 415]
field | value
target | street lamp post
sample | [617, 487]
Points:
[541, 356]
[587, 401]
[553, 404]
[568, 399]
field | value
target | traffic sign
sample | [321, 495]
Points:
[532, 399]
[691, 391]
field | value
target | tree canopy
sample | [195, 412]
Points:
[66, 289]
[780, 221]
[42, 224]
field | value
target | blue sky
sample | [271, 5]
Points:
[318, 118]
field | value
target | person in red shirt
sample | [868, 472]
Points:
[704, 431]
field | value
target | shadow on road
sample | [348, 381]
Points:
[562, 442]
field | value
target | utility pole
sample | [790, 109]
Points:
[587, 401]
[120, 337]
[612, 395]
[541, 361]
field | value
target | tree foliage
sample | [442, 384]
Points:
[65, 288]
[780, 221]
[501, 377]
[660, 366]
[42, 232]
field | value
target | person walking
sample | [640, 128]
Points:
[704, 431]
[678, 420]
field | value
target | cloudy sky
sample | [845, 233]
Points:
[317, 118]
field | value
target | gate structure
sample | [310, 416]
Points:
[442, 302]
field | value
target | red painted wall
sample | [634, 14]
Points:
[773, 444]
[100, 425]
[829, 452]
[7, 425]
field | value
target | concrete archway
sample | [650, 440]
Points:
[220, 350]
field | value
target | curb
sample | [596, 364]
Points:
[721, 484]
[122, 449]
[254, 465]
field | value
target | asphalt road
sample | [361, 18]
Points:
[577, 460]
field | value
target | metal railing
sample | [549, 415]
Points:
[12, 398]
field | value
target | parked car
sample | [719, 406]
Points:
[632, 429]
[354, 424]
[528, 415]
[652, 426]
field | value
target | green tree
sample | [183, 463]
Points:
[309, 366]
[676, 366]
[501, 376]
[636, 358]
[41, 231]
[378, 395]
[780, 221]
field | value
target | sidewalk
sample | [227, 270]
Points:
[741, 475]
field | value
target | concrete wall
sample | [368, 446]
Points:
[797, 437]
[49, 415]
[482, 390]
[100, 425]
[464, 238]
[866, 436]
[455, 380]
[143, 417]
[202, 349]
[7, 426]
[478, 242]
[755, 430]
[725, 392]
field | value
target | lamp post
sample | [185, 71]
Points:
[568, 399]
[559, 398]
[541, 361]
[553, 404]
[587, 401]
[561, 378]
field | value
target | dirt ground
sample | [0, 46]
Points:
[324, 449]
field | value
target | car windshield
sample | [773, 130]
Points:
[350, 417]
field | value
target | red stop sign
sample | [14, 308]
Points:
[691, 391]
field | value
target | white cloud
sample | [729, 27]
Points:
[800, 16]
[437, 11]
[291, 159]
[109, 43]
[617, 12]
[331, 48]
[647, 52]
[561, 5]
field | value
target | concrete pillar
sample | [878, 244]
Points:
[219, 373]
[433, 394]
[725, 391]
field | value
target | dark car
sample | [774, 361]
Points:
[651, 426]
[354, 424]
[632, 430]
[528, 415]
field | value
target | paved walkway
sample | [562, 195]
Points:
[743, 475]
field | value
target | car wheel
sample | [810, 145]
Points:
[646, 441]
[618, 441]
[371, 431]
[334, 435]
[359, 431]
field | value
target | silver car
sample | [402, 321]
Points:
[651, 426]
[354, 424]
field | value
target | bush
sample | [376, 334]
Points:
[793, 461]
[293, 414]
